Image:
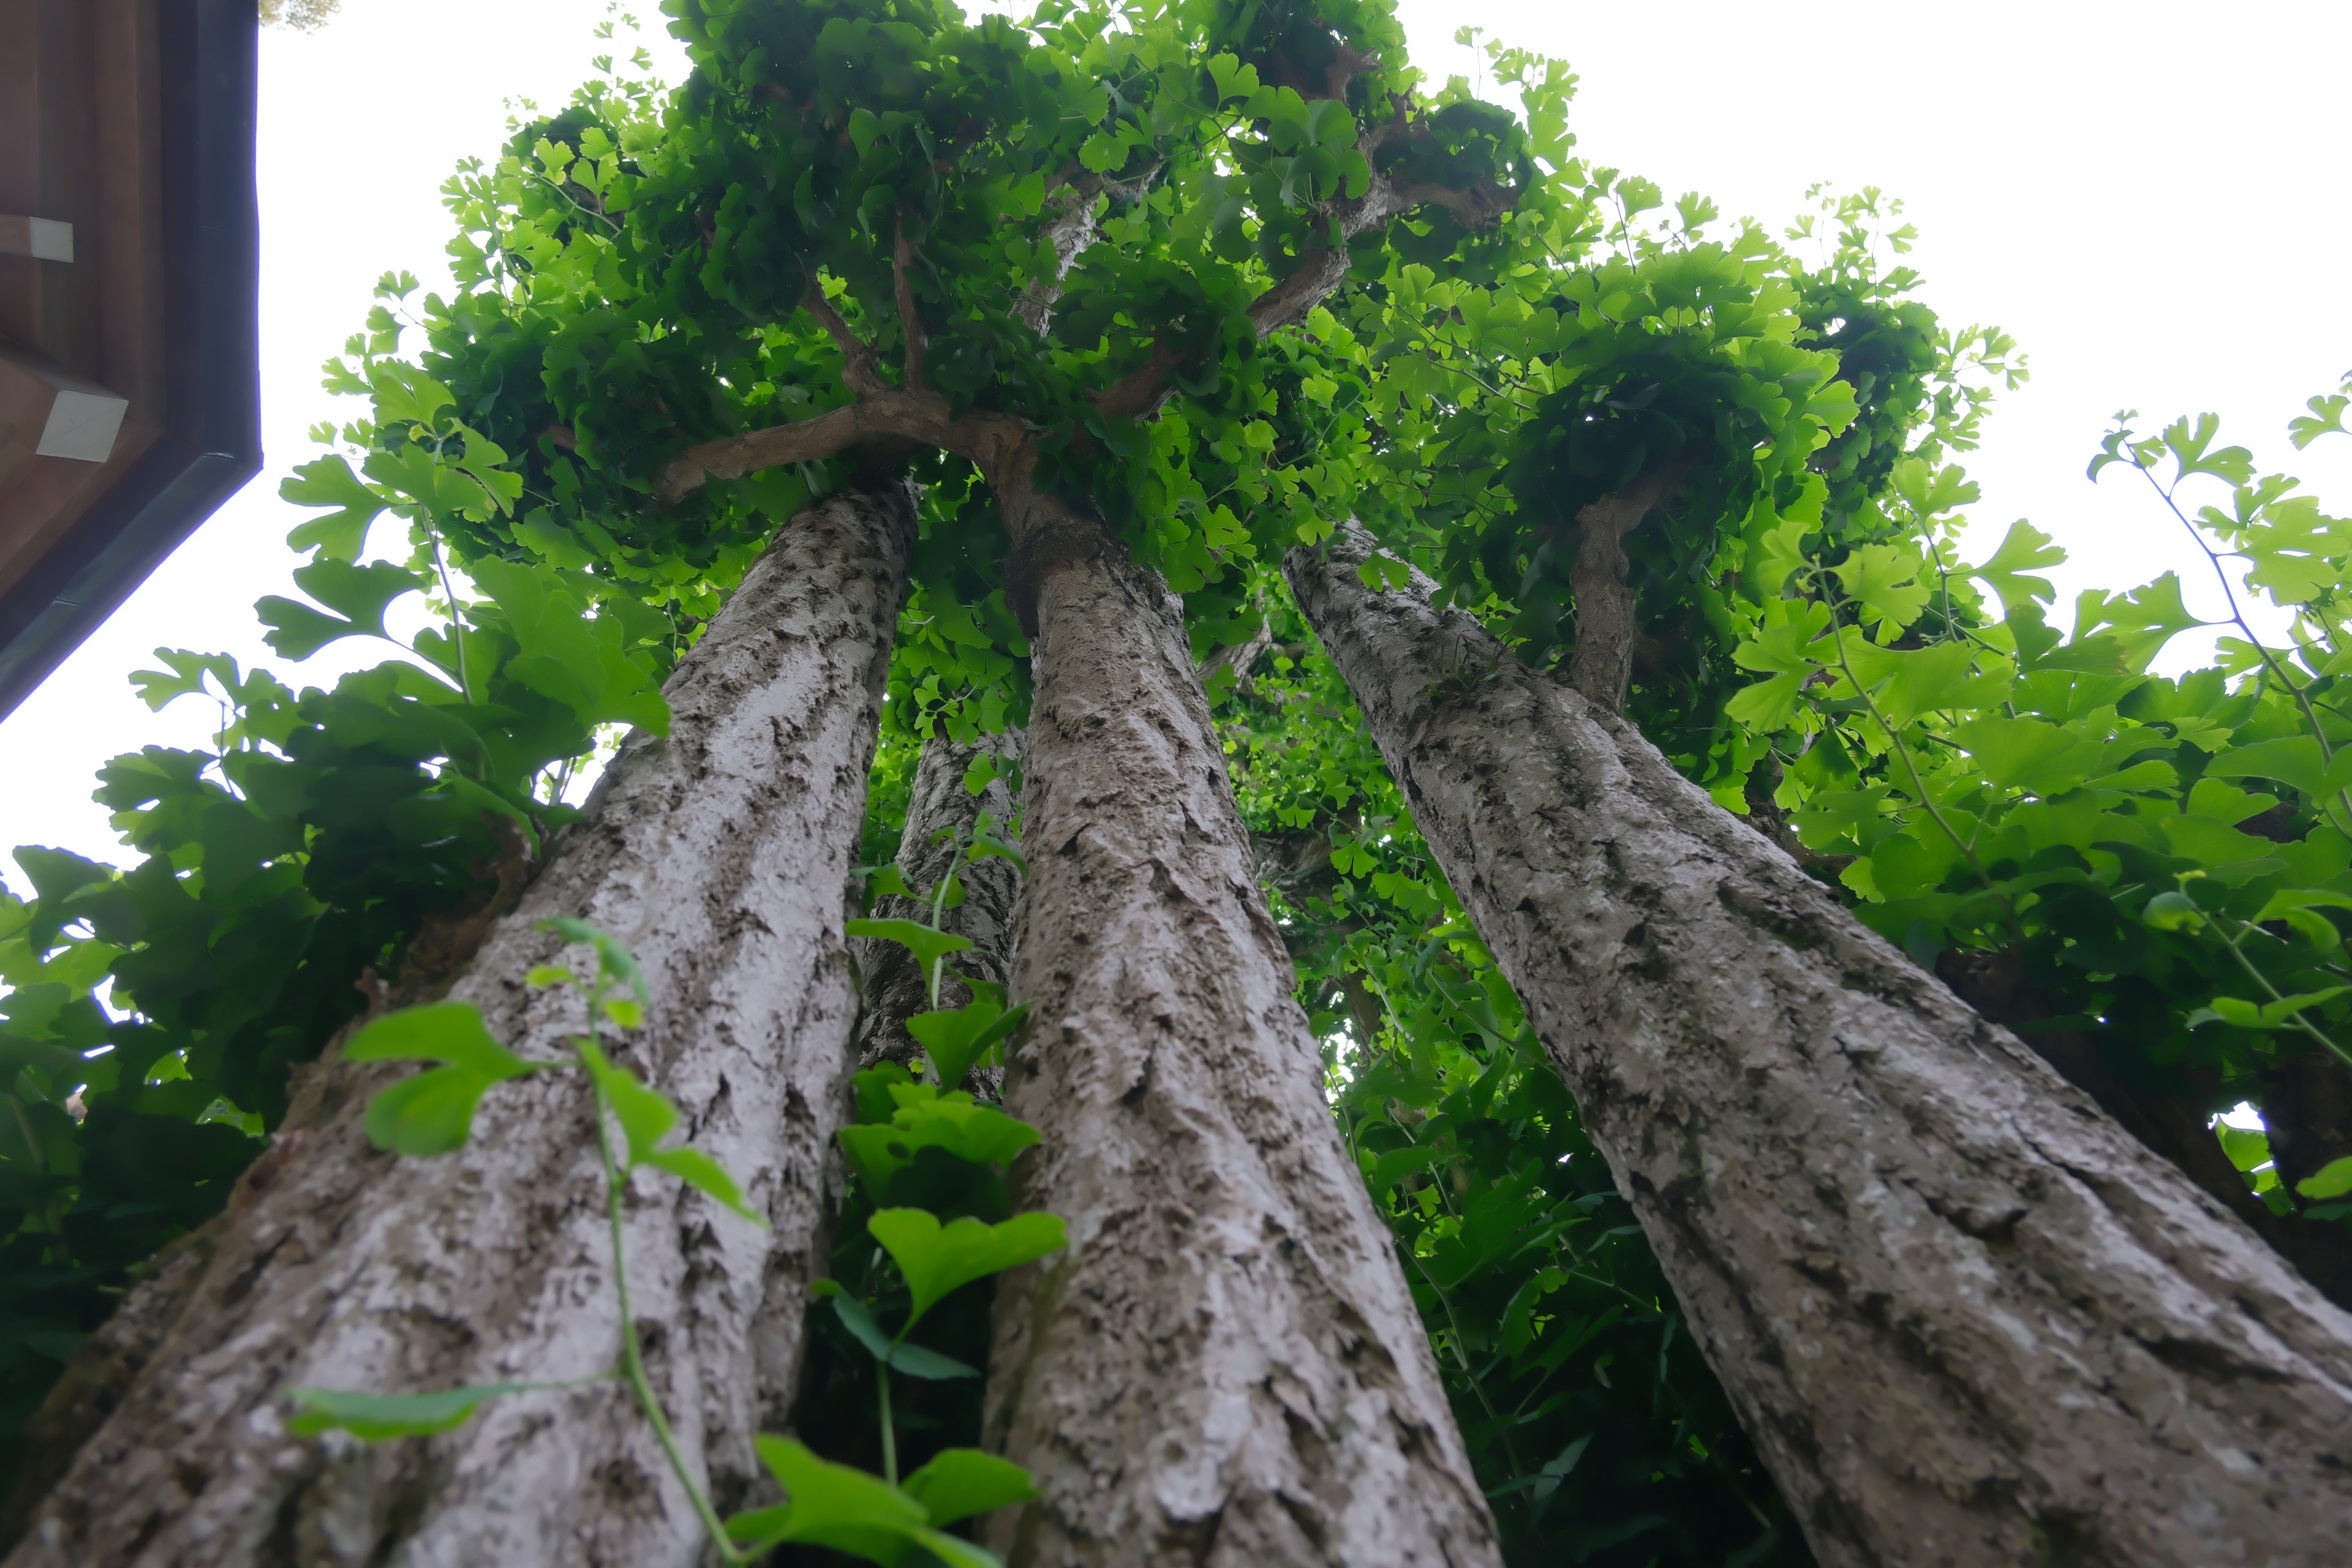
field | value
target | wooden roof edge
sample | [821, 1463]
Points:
[211, 444]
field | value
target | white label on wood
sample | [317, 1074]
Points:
[43, 238]
[82, 425]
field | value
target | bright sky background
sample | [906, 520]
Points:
[2149, 198]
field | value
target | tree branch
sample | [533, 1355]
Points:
[910, 416]
[858, 359]
[1601, 664]
[902, 256]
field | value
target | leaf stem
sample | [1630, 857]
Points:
[2237, 617]
[2258, 978]
[457, 623]
[633, 1364]
[890, 1432]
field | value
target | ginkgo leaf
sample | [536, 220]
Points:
[935, 1259]
[2011, 572]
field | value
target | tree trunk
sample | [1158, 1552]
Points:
[2174, 1123]
[1965, 1318]
[2308, 1115]
[721, 855]
[1225, 1366]
[890, 981]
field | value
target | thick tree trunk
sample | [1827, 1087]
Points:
[1965, 1318]
[721, 855]
[891, 984]
[2174, 1124]
[1225, 1366]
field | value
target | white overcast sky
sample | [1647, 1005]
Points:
[2149, 197]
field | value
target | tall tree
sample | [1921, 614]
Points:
[720, 853]
[1924, 1267]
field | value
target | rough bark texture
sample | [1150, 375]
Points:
[1964, 1316]
[721, 855]
[891, 984]
[2171, 1123]
[1225, 1366]
[1608, 628]
[2308, 1114]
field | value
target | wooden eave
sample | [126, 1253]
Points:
[129, 380]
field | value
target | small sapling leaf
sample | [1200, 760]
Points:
[376, 1417]
[915, 1361]
[616, 961]
[548, 974]
[936, 1259]
[926, 1118]
[960, 1482]
[831, 1505]
[646, 1117]
[2333, 1180]
[956, 1038]
[883, 880]
[928, 944]
[433, 1112]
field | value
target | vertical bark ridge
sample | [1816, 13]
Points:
[891, 984]
[1967, 1319]
[1225, 1366]
[721, 855]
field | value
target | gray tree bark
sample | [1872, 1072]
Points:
[1965, 1318]
[1224, 1367]
[719, 855]
[891, 984]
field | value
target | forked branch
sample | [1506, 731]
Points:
[1607, 628]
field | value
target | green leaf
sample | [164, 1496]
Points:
[579, 661]
[1768, 705]
[2024, 550]
[955, 1039]
[2030, 753]
[884, 880]
[830, 1505]
[2192, 448]
[2332, 1180]
[960, 1482]
[646, 1117]
[613, 960]
[404, 393]
[433, 1112]
[936, 1259]
[915, 1361]
[329, 481]
[927, 943]
[375, 1417]
[359, 593]
[1908, 683]
[1883, 581]
[927, 1118]
[2173, 912]
[2248, 1148]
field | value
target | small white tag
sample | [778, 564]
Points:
[42, 238]
[82, 425]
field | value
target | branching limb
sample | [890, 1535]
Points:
[902, 256]
[859, 358]
[895, 416]
[1606, 626]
